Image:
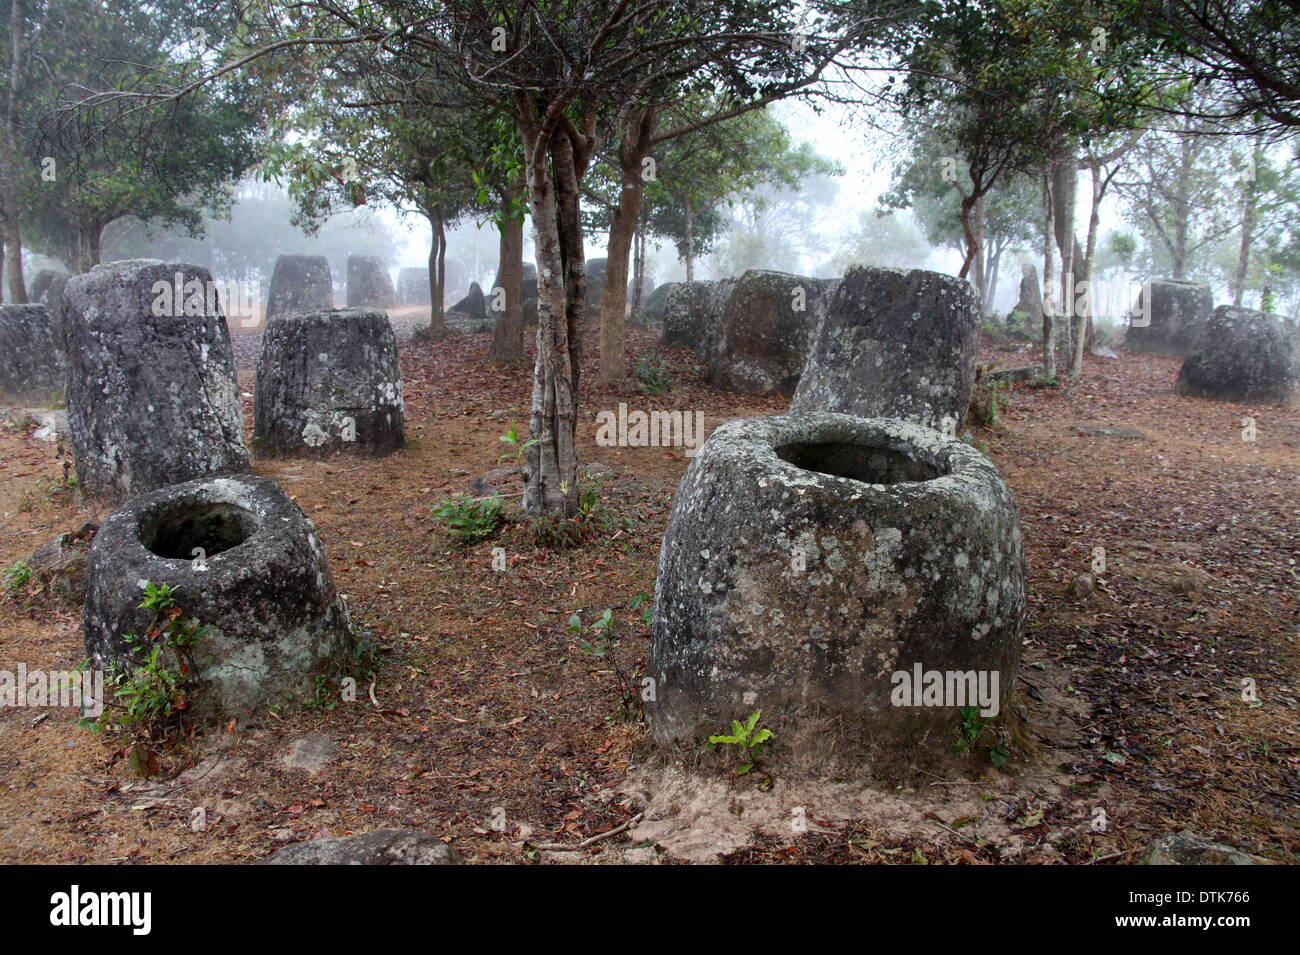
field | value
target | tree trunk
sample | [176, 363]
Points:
[94, 231]
[981, 277]
[1251, 191]
[991, 283]
[1083, 324]
[968, 229]
[437, 275]
[1065, 185]
[632, 150]
[508, 331]
[1049, 309]
[690, 242]
[551, 477]
[638, 269]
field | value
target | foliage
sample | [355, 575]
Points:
[748, 743]
[970, 728]
[592, 518]
[470, 520]
[150, 698]
[653, 374]
[16, 575]
[602, 644]
[517, 447]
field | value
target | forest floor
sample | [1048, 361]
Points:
[487, 725]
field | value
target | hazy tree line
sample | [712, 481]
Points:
[645, 122]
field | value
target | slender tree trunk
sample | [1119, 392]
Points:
[94, 231]
[991, 283]
[690, 241]
[633, 149]
[1065, 185]
[437, 281]
[1049, 308]
[9, 160]
[552, 471]
[1251, 190]
[968, 229]
[508, 330]
[638, 269]
[981, 277]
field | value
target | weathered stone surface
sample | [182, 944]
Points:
[59, 565]
[152, 397]
[807, 559]
[693, 315]
[261, 578]
[1012, 375]
[125, 264]
[895, 344]
[1244, 356]
[473, 304]
[328, 382]
[1187, 848]
[380, 847]
[300, 283]
[595, 287]
[499, 482]
[1106, 431]
[312, 753]
[42, 283]
[654, 306]
[32, 365]
[413, 286]
[1178, 315]
[1030, 303]
[767, 327]
[369, 284]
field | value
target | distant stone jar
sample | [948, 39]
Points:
[328, 382]
[1244, 356]
[811, 559]
[241, 557]
[300, 283]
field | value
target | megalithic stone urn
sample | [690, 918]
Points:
[809, 560]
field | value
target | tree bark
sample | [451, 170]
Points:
[1065, 185]
[690, 242]
[632, 150]
[1251, 190]
[1049, 318]
[9, 207]
[437, 276]
[551, 478]
[508, 330]
[981, 277]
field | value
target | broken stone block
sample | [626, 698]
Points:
[895, 343]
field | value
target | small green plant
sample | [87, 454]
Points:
[747, 739]
[648, 614]
[601, 644]
[17, 575]
[150, 698]
[593, 518]
[470, 520]
[970, 728]
[518, 448]
[654, 375]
